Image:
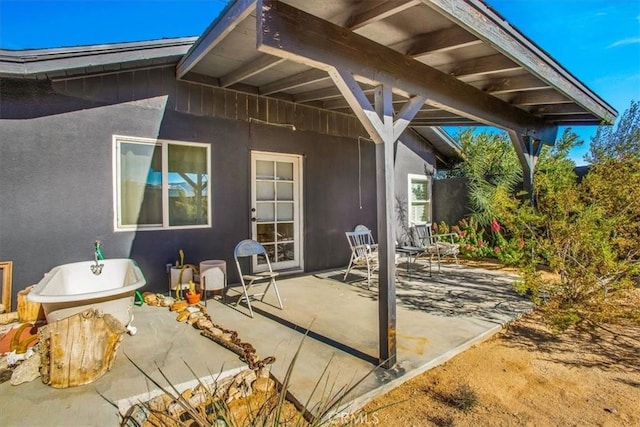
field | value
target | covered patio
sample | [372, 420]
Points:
[438, 317]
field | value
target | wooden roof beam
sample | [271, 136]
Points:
[476, 17]
[514, 84]
[379, 12]
[438, 41]
[295, 81]
[484, 65]
[540, 97]
[215, 33]
[293, 34]
[248, 69]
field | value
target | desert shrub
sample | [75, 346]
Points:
[463, 398]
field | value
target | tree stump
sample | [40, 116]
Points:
[79, 349]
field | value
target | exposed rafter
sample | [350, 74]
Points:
[295, 81]
[436, 42]
[483, 65]
[540, 97]
[477, 18]
[379, 12]
[264, 62]
[295, 35]
[514, 84]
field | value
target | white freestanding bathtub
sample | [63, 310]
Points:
[72, 288]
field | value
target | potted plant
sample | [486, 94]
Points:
[181, 274]
[191, 295]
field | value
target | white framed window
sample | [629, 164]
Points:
[419, 199]
[160, 184]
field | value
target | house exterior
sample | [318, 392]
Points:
[286, 121]
[65, 141]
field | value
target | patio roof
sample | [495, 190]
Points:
[459, 49]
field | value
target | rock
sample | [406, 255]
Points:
[193, 309]
[204, 323]
[182, 316]
[263, 372]
[216, 332]
[226, 337]
[193, 317]
[160, 403]
[27, 371]
[167, 301]
[263, 385]
[3, 308]
[151, 299]
[179, 305]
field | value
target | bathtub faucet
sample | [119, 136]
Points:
[97, 256]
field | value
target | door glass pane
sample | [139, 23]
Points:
[270, 253]
[264, 169]
[266, 233]
[285, 232]
[284, 171]
[140, 184]
[266, 212]
[285, 190]
[188, 184]
[285, 211]
[286, 252]
[265, 190]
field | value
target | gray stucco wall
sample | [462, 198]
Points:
[450, 200]
[56, 181]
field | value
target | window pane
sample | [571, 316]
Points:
[419, 190]
[265, 191]
[284, 171]
[266, 211]
[188, 185]
[285, 211]
[285, 190]
[286, 252]
[140, 184]
[420, 213]
[266, 233]
[264, 169]
[285, 232]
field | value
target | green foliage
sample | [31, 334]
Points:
[493, 171]
[618, 142]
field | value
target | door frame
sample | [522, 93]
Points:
[298, 206]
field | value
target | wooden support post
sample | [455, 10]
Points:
[528, 149]
[384, 129]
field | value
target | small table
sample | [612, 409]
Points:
[412, 252]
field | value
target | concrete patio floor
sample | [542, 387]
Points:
[437, 318]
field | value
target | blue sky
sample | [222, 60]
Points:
[596, 40]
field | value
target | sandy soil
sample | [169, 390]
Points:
[528, 376]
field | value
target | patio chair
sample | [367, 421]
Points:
[248, 248]
[372, 244]
[435, 244]
[362, 253]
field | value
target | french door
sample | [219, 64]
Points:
[276, 212]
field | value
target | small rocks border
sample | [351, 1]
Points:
[164, 409]
[197, 316]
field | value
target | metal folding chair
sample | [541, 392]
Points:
[362, 255]
[434, 244]
[248, 248]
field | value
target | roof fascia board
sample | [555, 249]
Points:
[477, 18]
[229, 19]
[24, 63]
[285, 31]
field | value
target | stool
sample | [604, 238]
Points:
[213, 276]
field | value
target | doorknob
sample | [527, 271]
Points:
[253, 219]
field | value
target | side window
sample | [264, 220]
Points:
[161, 184]
[419, 199]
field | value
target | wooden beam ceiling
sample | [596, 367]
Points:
[438, 41]
[382, 10]
[298, 36]
[264, 62]
[295, 81]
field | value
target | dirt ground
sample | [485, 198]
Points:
[527, 375]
